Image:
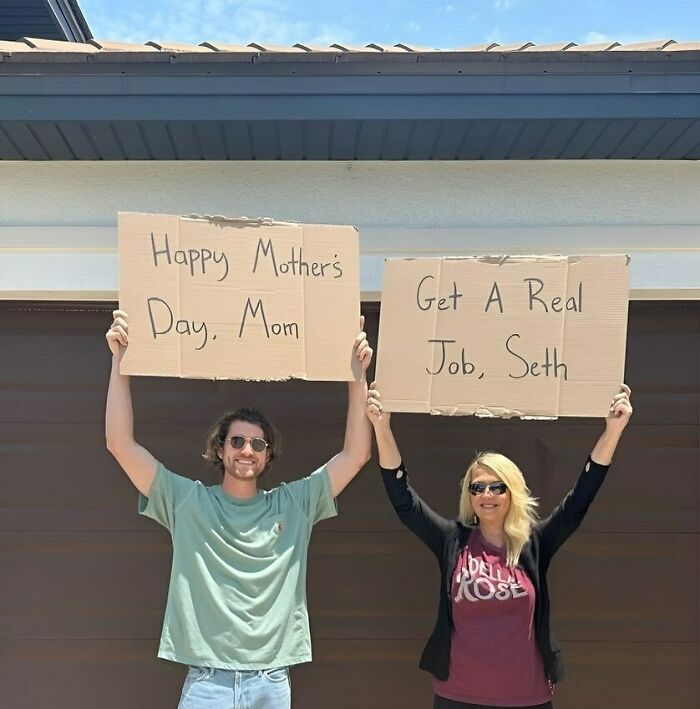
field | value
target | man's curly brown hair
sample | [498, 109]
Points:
[216, 436]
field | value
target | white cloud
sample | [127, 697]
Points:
[446, 8]
[596, 38]
[333, 33]
[412, 27]
[196, 21]
[503, 4]
[495, 35]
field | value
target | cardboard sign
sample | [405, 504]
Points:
[220, 298]
[503, 336]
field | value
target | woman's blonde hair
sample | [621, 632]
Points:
[522, 513]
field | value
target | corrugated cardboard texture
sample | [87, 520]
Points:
[503, 335]
[220, 298]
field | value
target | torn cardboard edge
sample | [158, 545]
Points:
[486, 412]
[256, 221]
[503, 259]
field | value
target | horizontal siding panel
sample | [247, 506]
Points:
[85, 577]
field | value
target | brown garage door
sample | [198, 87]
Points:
[83, 578]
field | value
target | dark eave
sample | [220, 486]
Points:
[44, 19]
[106, 101]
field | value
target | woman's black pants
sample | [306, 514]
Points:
[442, 703]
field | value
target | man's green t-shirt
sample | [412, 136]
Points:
[237, 596]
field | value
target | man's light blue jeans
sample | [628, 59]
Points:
[209, 688]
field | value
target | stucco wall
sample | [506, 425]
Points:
[58, 220]
[440, 194]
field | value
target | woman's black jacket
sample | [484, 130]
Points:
[446, 538]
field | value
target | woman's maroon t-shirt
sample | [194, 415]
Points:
[494, 659]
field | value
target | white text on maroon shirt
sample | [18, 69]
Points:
[479, 581]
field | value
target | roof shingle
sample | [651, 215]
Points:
[29, 44]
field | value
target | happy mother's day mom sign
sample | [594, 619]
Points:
[503, 335]
[222, 298]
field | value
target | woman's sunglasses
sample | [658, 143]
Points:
[496, 488]
[257, 444]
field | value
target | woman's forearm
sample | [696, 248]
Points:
[389, 455]
[604, 449]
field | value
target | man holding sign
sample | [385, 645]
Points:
[236, 611]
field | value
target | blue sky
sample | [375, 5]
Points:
[440, 23]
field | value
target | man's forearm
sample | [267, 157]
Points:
[357, 448]
[358, 430]
[119, 416]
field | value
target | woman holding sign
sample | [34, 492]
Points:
[492, 645]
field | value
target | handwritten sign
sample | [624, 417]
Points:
[220, 298]
[503, 336]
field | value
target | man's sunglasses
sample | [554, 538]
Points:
[257, 444]
[496, 488]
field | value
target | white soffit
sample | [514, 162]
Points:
[80, 263]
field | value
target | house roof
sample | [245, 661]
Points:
[108, 47]
[103, 100]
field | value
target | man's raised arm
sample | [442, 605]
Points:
[357, 447]
[136, 461]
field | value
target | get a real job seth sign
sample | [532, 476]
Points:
[503, 335]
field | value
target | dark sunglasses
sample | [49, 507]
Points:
[497, 488]
[257, 444]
